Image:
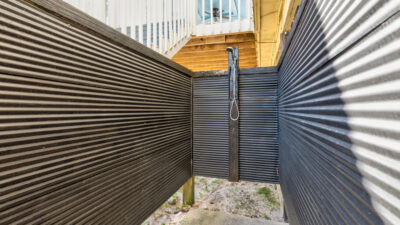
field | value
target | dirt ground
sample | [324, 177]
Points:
[250, 199]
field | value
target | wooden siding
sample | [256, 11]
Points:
[209, 52]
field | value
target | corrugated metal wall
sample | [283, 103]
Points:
[339, 99]
[258, 141]
[211, 126]
[258, 148]
[91, 130]
[97, 131]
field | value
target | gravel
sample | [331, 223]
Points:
[249, 199]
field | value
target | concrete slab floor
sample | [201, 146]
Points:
[206, 217]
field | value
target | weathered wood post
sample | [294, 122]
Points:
[233, 54]
[188, 187]
[188, 192]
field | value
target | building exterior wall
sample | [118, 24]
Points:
[272, 19]
[339, 114]
[209, 52]
[95, 128]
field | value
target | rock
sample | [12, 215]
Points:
[172, 202]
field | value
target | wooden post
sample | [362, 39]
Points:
[188, 192]
[233, 53]
[281, 200]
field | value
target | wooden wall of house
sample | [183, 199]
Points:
[261, 48]
[209, 52]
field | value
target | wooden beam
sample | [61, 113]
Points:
[233, 113]
[244, 71]
[281, 201]
[188, 192]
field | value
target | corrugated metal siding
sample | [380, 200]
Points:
[91, 132]
[339, 114]
[258, 141]
[211, 126]
[258, 154]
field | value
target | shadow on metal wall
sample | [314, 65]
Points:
[320, 179]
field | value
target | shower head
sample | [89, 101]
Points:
[229, 49]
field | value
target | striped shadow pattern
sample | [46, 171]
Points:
[339, 114]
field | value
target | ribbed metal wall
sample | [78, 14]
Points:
[339, 99]
[211, 126]
[258, 148]
[258, 125]
[91, 132]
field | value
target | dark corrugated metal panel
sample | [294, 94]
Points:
[91, 132]
[339, 114]
[258, 148]
[211, 126]
[68, 12]
[259, 156]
